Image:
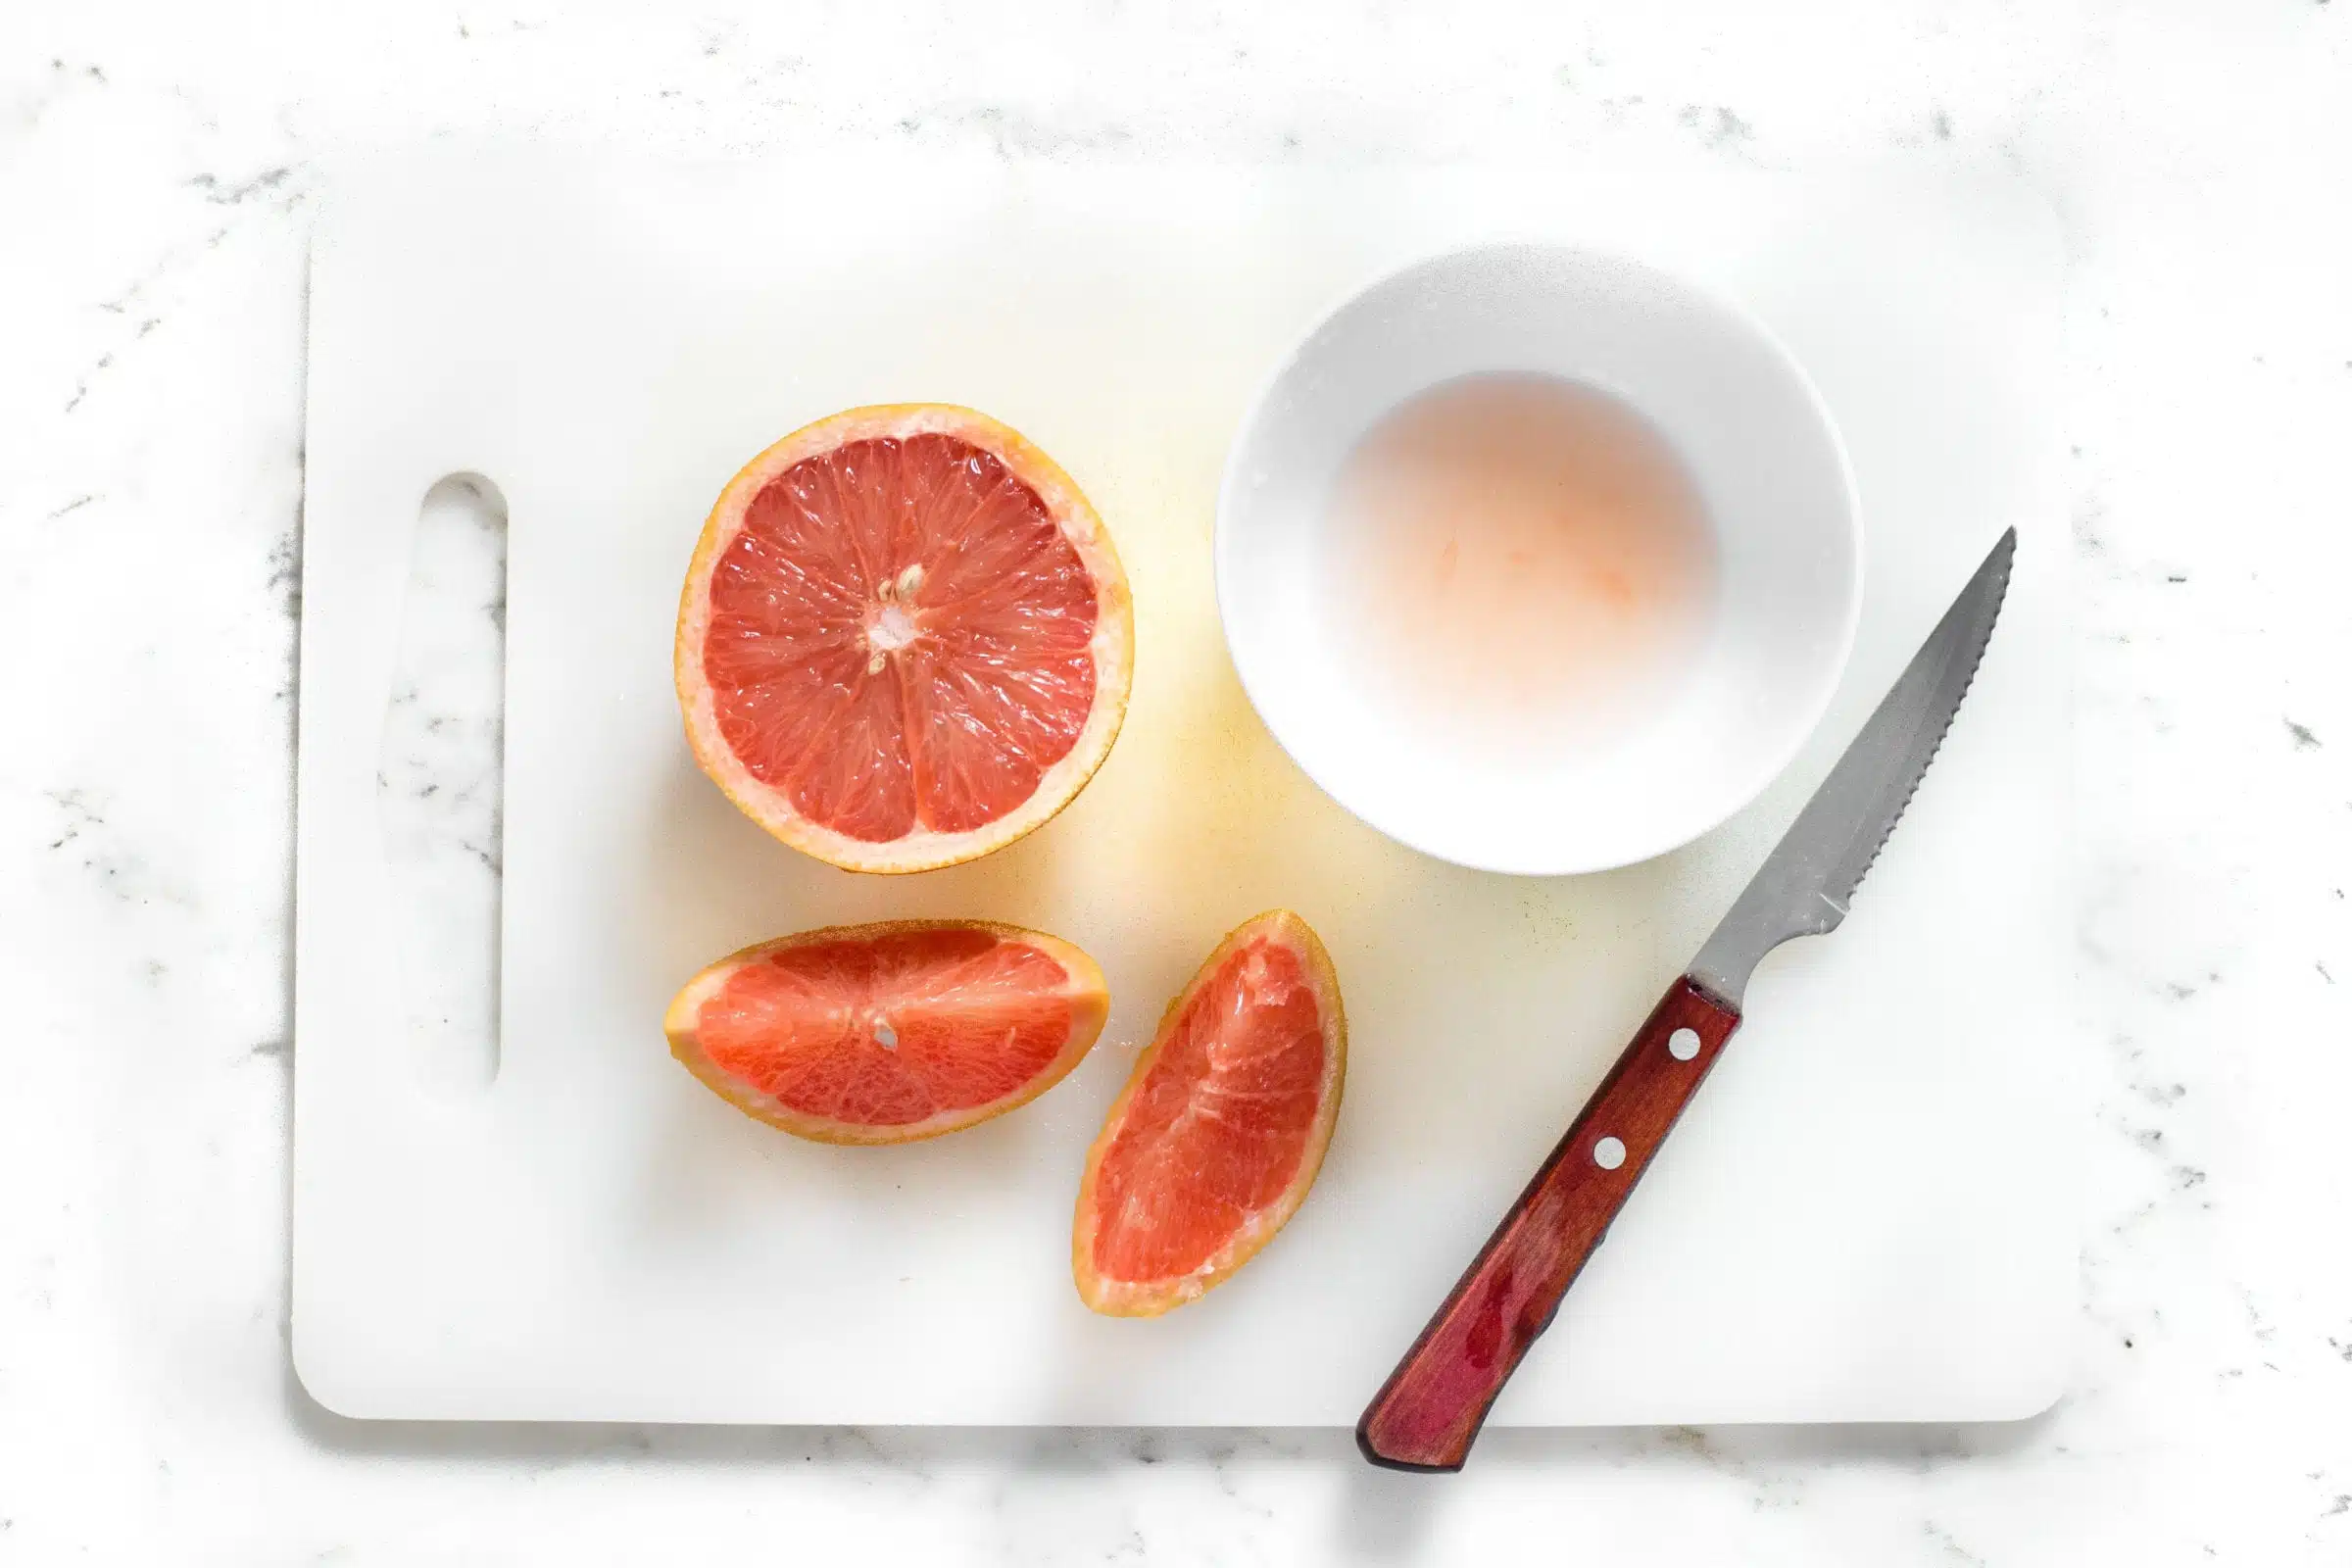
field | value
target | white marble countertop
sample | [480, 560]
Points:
[158, 172]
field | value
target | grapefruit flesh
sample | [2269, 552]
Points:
[884, 1034]
[1221, 1130]
[904, 639]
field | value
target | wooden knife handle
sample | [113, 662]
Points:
[1428, 1413]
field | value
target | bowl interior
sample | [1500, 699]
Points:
[1755, 441]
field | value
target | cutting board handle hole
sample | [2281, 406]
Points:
[440, 784]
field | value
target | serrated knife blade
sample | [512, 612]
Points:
[1808, 881]
[1429, 1412]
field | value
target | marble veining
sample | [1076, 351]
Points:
[159, 171]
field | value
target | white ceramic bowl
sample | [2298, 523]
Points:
[1757, 443]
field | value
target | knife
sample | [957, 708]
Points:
[1428, 1413]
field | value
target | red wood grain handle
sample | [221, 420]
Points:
[1428, 1413]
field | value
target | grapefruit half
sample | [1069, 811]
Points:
[884, 1034]
[904, 639]
[1220, 1131]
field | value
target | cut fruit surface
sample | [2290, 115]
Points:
[1218, 1135]
[904, 639]
[884, 1034]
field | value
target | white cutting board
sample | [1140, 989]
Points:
[1867, 1216]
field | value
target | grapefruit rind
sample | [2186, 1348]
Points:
[1112, 646]
[1090, 1005]
[1115, 1298]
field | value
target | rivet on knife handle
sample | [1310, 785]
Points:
[1429, 1412]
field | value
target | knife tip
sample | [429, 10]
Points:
[1996, 563]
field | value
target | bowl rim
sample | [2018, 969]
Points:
[1774, 761]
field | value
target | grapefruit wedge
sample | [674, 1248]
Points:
[1213, 1144]
[904, 639]
[884, 1034]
